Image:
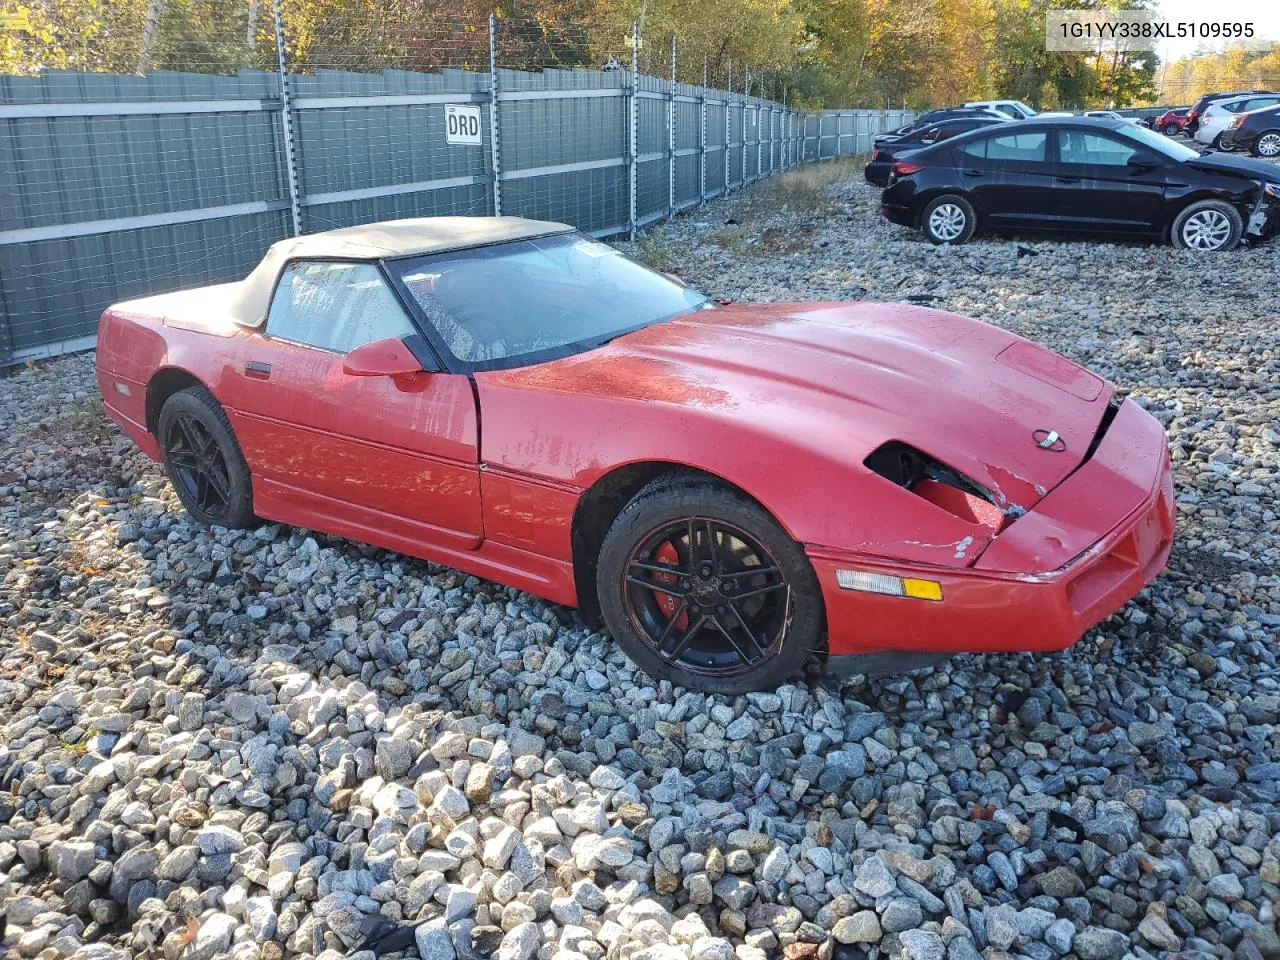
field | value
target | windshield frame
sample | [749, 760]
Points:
[395, 267]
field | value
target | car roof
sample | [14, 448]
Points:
[379, 241]
[1034, 124]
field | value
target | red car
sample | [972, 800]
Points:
[731, 489]
[1171, 122]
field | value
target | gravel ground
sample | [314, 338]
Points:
[220, 743]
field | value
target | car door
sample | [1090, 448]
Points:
[1009, 177]
[1099, 190]
[395, 454]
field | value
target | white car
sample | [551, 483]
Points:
[1219, 114]
[1110, 115]
[1010, 108]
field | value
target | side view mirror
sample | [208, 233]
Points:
[381, 358]
[675, 278]
[1143, 161]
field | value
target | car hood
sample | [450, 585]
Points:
[851, 377]
[1240, 166]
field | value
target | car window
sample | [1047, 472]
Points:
[1075, 146]
[930, 134]
[335, 306]
[973, 150]
[510, 302]
[1024, 147]
[1257, 103]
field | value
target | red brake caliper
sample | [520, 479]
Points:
[667, 603]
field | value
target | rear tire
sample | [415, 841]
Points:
[1267, 145]
[712, 624]
[1170, 129]
[1222, 145]
[1207, 226]
[949, 219]
[203, 460]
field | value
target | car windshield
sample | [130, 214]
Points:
[533, 300]
[1158, 142]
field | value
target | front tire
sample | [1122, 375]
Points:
[702, 587]
[1170, 129]
[949, 219]
[203, 460]
[1207, 226]
[1267, 145]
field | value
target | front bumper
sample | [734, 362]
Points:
[1079, 555]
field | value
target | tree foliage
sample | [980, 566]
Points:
[819, 52]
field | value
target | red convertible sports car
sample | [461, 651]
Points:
[732, 489]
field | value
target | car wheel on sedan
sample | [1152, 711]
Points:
[1170, 129]
[1207, 226]
[703, 587]
[1221, 144]
[203, 460]
[1267, 144]
[949, 219]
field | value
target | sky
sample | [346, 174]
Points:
[1264, 14]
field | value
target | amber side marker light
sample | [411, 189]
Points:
[888, 585]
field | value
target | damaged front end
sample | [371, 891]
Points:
[1264, 215]
[1035, 577]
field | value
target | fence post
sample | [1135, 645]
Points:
[632, 118]
[702, 140]
[786, 132]
[746, 92]
[728, 128]
[671, 137]
[495, 147]
[759, 145]
[286, 125]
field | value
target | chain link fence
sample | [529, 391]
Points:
[122, 176]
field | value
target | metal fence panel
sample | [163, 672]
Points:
[120, 186]
[115, 187]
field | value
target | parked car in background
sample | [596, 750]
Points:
[1197, 108]
[1014, 109]
[1257, 131]
[1109, 115]
[1218, 115]
[877, 170]
[933, 116]
[1171, 122]
[1082, 175]
[731, 489]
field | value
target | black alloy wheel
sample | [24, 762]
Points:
[700, 585]
[706, 597]
[203, 461]
[199, 468]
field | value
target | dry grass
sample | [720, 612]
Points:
[806, 187]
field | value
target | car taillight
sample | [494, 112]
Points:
[1192, 115]
[1235, 121]
[903, 168]
[878, 155]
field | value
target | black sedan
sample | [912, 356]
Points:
[935, 116]
[877, 170]
[1072, 174]
[1257, 131]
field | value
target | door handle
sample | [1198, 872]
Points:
[257, 370]
[974, 173]
[1068, 179]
